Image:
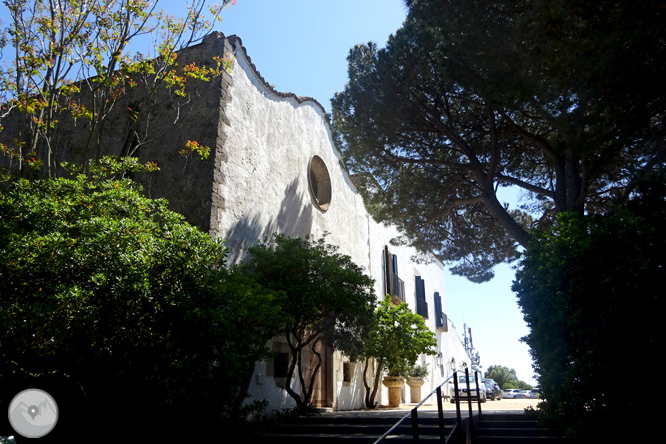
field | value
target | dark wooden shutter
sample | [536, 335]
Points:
[421, 304]
[441, 323]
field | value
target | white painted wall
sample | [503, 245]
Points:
[269, 142]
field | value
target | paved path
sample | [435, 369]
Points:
[503, 405]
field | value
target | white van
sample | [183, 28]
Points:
[463, 386]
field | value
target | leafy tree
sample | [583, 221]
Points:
[502, 375]
[328, 300]
[73, 66]
[396, 340]
[111, 300]
[563, 100]
[590, 291]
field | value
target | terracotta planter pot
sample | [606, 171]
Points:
[394, 384]
[415, 389]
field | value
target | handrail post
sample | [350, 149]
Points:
[456, 397]
[478, 393]
[469, 400]
[440, 414]
[415, 418]
[415, 425]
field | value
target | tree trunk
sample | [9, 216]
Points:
[378, 374]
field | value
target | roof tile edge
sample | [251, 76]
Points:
[236, 42]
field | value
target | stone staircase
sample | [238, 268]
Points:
[355, 427]
[368, 426]
[509, 428]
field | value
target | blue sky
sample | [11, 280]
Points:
[301, 46]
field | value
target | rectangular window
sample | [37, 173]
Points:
[281, 365]
[347, 371]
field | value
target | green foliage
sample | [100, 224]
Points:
[505, 377]
[590, 291]
[72, 66]
[328, 299]
[110, 299]
[397, 338]
[418, 371]
[469, 97]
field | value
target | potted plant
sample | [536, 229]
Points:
[416, 380]
[394, 380]
[396, 340]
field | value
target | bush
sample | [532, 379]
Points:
[111, 301]
[590, 292]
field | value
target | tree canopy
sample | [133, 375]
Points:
[564, 101]
[328, 299]
[505, 377]
[110, 299]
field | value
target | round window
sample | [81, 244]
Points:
[320, 183]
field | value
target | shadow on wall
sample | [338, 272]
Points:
[294, 219]
[352, 396]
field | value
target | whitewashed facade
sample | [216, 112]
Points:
[271, 142]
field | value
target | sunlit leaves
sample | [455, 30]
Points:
[79, 57]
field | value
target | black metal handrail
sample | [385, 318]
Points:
[440, 410]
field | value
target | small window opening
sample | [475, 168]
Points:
[320, 183]
[281, 365]
[347, 371]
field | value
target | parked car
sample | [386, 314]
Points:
[535, 393]
[513, 394]
[493, 391]
[463, 386]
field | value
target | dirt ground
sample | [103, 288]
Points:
[504, 404]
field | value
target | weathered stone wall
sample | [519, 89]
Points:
[264, 181]
[186, 182]
[264, 187]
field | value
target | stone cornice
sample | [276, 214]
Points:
[237, 44]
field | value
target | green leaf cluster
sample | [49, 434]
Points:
[563, 101]
[506, 378]
[73, 65]
[591, 293]
[327, 298]
[109, 298]
[397, 338]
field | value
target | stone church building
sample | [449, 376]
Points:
[274, 167]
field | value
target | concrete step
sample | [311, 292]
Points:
[343, 438]
[511, 431]
[518, 440]
[511, 428]
[361, 427]
[366, 427]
